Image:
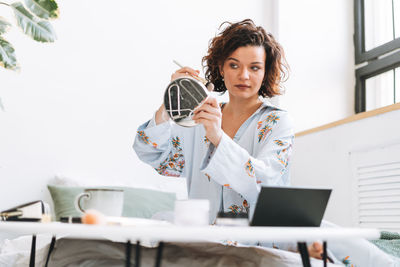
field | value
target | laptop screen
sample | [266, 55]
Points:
[290, 206]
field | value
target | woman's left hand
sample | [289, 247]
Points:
[209, 114]
[315, 250]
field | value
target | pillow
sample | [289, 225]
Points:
[138, 202]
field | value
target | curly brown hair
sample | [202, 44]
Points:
[246, 33]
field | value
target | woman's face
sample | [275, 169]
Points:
[243, 71]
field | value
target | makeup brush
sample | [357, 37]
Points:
[207, 84]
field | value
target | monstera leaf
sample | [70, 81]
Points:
[7, 55]
[45, 9]
[39, 30]
[4, 25]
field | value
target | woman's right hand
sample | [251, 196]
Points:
[161, 115]
[184, 72]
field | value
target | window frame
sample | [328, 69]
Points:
[376, 60]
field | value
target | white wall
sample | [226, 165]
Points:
[318, 39]
[322, 158]
[74, 108]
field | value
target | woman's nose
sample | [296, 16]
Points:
[244, 74]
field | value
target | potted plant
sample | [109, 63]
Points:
[32, 17]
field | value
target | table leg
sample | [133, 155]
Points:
[325, 254]
[128, 254]
[159, 254]
[33, 252]
[137, 255]
[302, 247]
[52, 244]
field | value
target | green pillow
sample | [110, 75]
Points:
[138, 202]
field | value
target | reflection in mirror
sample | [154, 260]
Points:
[379, 90]
[378, 22]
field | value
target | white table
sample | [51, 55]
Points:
[169, 233]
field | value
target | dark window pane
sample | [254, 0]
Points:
[379, 90]
[396, 4]
[378, 23]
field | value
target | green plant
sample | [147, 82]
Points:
[32, 17]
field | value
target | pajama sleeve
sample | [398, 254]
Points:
[157, 146]
[231, 165]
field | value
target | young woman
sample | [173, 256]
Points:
[237, 146]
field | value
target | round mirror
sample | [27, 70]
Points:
[182, 97]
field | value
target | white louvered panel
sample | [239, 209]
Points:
[377, 193]
[376, 188]
[379, 181]
[385, 169]
[374, 176]
[381, 206]
[379, 199]
[371, 188]
[378, 212]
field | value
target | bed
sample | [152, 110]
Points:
[146, 204]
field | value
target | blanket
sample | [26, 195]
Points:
[96, 253]
[93, 253]
[389, 242]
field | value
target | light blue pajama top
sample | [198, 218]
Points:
[230, 176]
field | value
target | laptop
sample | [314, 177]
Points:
[290, 206]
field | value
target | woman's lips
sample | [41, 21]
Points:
[242, 86]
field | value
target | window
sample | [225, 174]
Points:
[377, 53]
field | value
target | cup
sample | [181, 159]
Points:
[110, 202]
[194, 212]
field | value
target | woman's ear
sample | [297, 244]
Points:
[221, 72]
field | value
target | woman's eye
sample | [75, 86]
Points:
[233, 66]
[255, 68]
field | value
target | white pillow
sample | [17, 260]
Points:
[16, 252]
